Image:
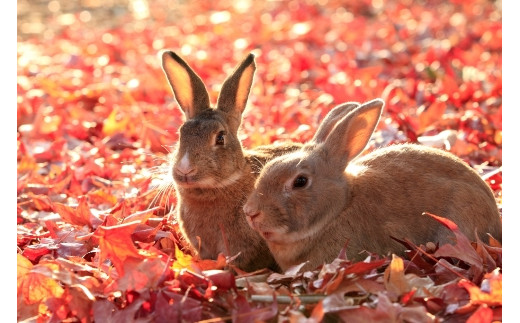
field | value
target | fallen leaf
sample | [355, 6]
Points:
[115, 243]
[394, 279]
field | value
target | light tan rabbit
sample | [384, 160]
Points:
[309, 203]
[212, 173]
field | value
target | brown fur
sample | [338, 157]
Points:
[379, 195]
[213, 180]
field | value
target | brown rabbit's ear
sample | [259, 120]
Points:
[352, 133]
[330, 120]
[235, 90]
[188, 88]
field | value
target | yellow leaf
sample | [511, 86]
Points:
[37, 286]
[24, 266]
[394, 278]
[182, 260]
[115, 123]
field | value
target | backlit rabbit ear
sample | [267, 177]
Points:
[236, 88]
[330, 120]
[189, 91]
[352, 133]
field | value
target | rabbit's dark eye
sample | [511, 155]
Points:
[300, 181]
[219, 140]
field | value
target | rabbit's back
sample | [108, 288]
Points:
[260, 155]
[393, 186]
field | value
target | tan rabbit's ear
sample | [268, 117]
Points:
[235, 90]
[352, 133]
[189, 91]
[330, 120]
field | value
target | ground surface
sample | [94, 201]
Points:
[96, 118]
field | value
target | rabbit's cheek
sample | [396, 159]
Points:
[273, 235]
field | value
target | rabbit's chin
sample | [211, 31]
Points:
[207, 182]
[270, 235]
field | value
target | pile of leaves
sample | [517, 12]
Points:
[96, 119]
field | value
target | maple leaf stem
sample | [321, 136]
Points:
[165, 270]
[155, 128]
[226, 242]
[440, 263]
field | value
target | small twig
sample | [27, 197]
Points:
[283, 299]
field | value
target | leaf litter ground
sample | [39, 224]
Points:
[96, 119]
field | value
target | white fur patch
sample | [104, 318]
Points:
[305, 233]
[184, 164]
[210, 182]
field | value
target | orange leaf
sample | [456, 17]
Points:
[41, 202]
[490, 292]
[59, 186]
[27, 164]
[70, 215]
[208, 264]
[431, 115]
[482, 315]
[115, 243]
[38, 286]
[102, 197]
[83, 210]
[141, 216]
[23, 267]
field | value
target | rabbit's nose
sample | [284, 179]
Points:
[251, 212]
[184, 167]
[253, 216]
[190, 170]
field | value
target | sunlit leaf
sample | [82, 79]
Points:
[394, 279]
[490, 292]
[72, 216]
[115, 243]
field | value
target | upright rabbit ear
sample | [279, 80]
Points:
[235, 90]
[352, 133]
[330, 120]
[189, 91]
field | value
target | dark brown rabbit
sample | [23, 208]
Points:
[309, 203]
[213, 174]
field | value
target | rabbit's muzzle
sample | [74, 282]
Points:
[252, 213]
[184, 171]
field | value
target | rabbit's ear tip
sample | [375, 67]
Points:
[168, 54]
[164, 52]
[250, 58]
[378, 102]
